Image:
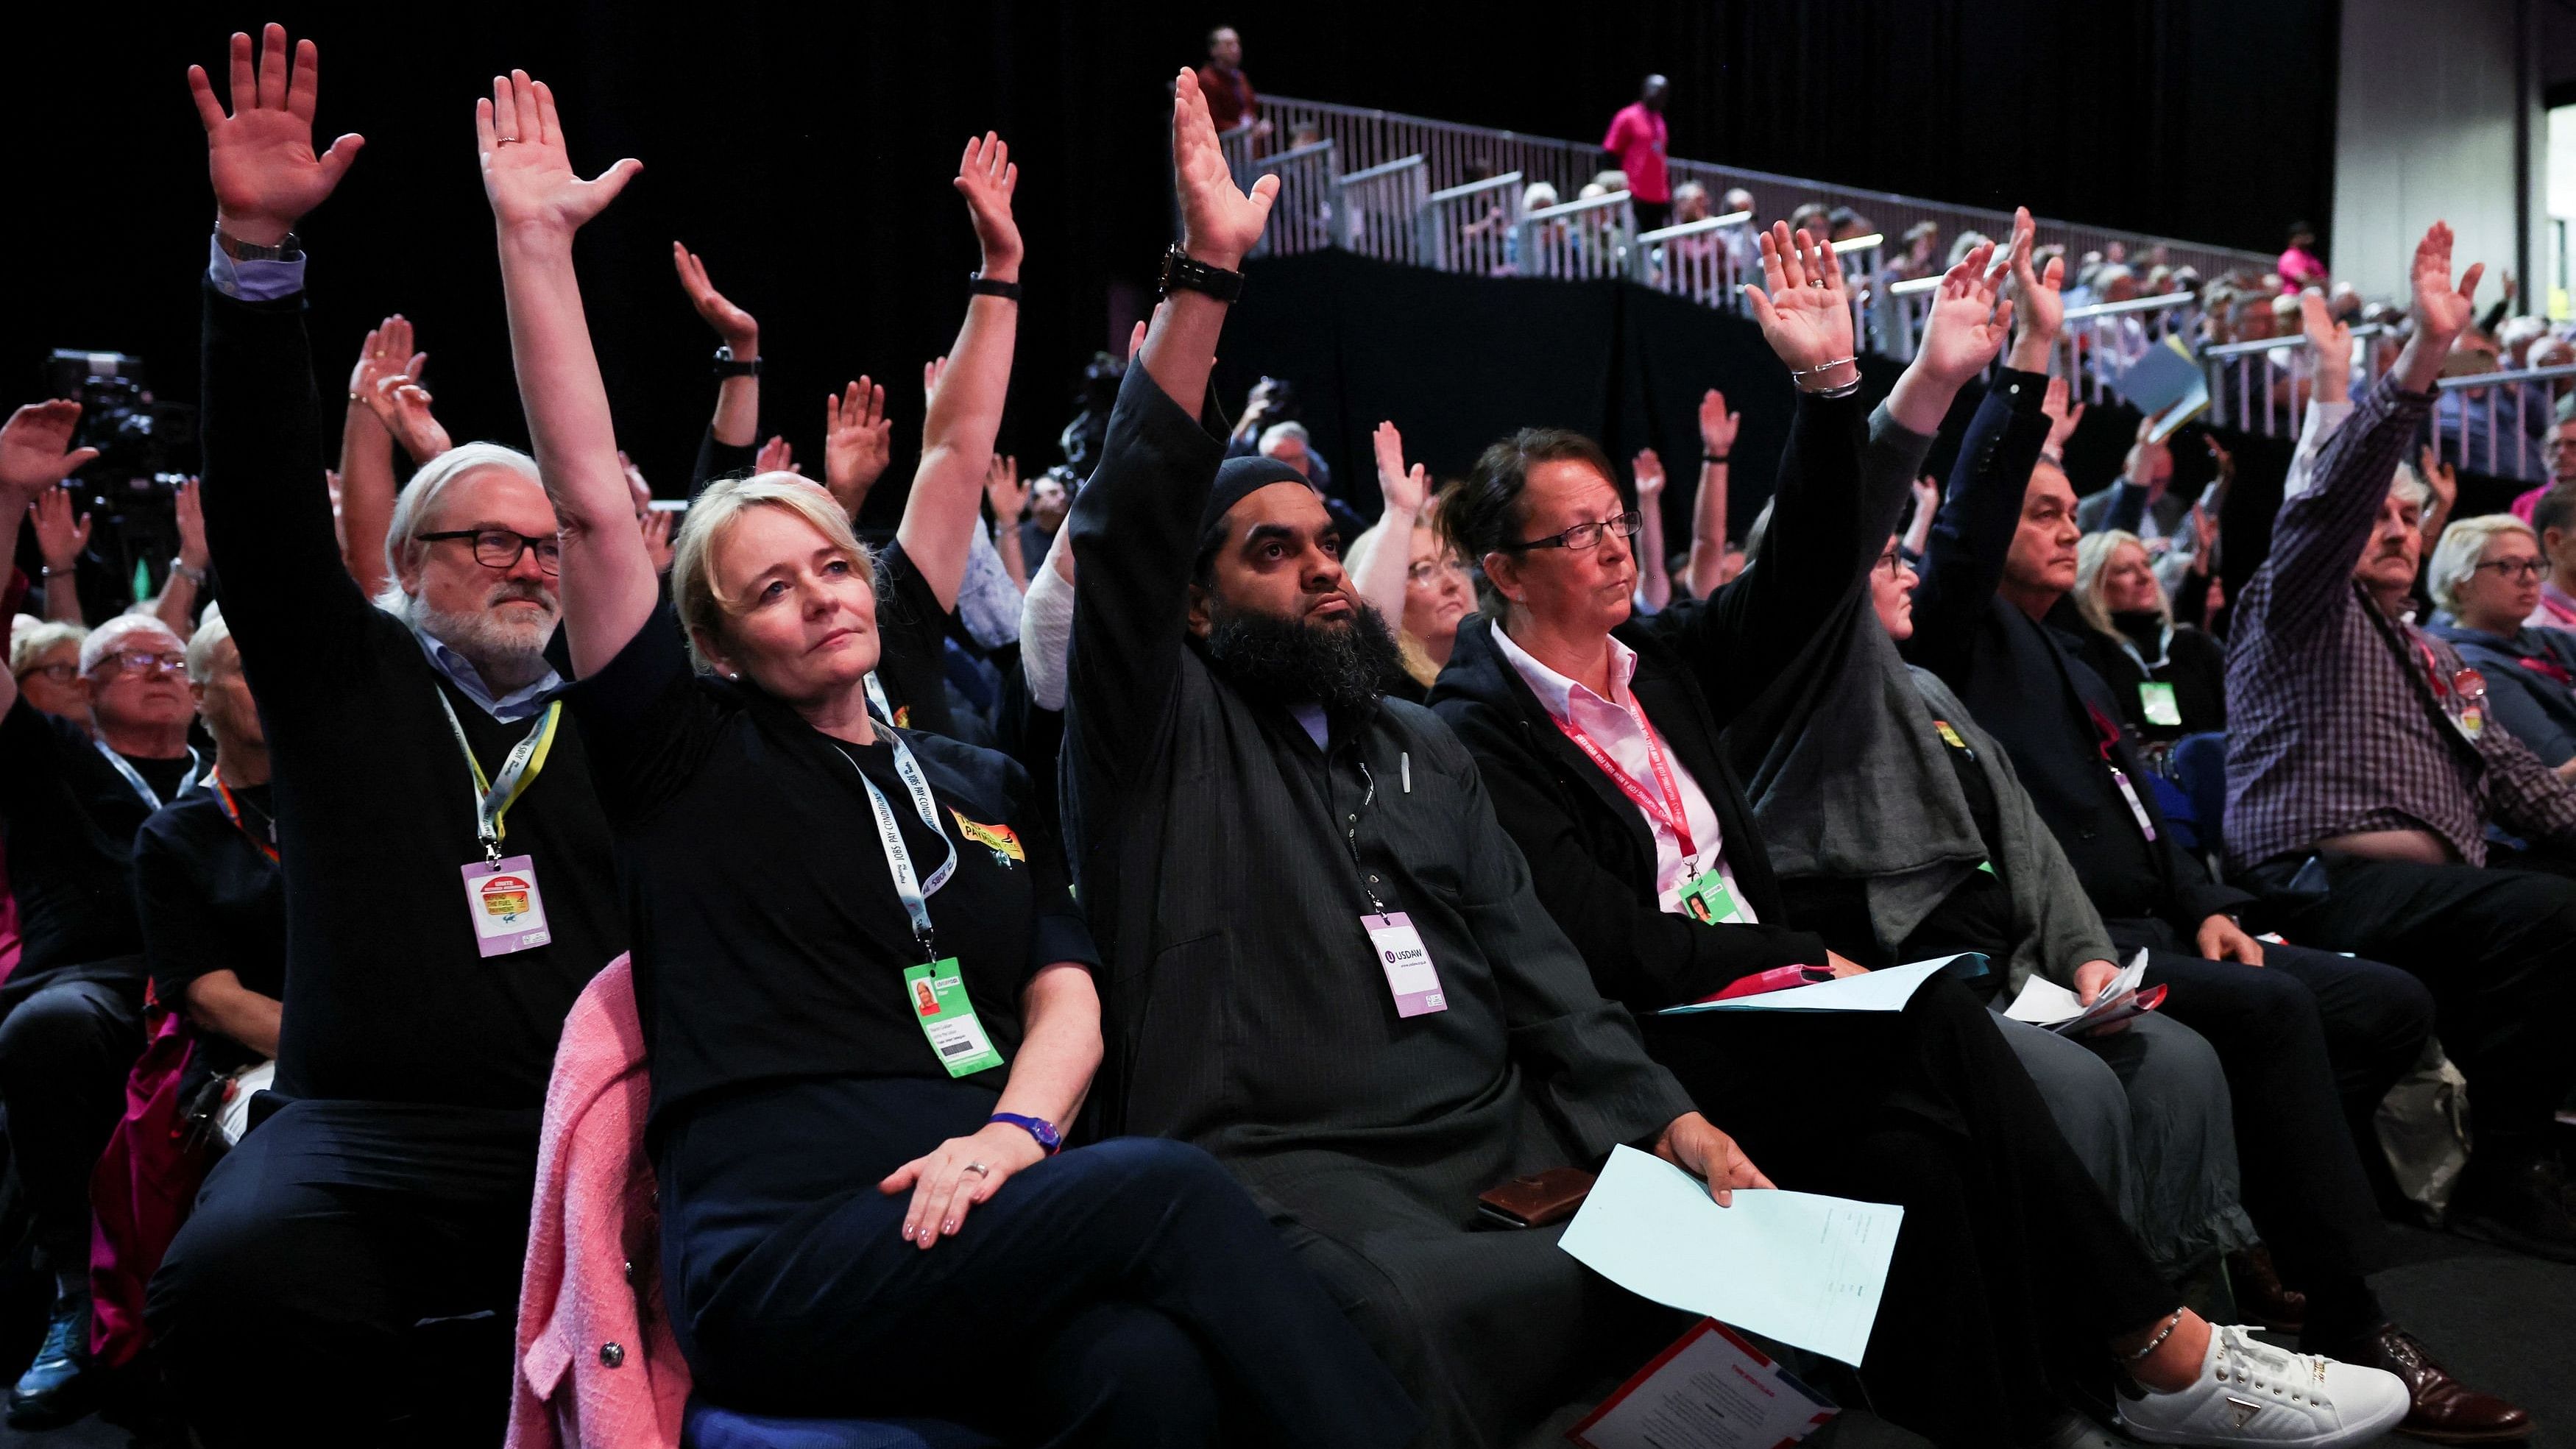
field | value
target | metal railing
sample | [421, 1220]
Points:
[2103, 341]
[1577, 240]
[1859, 258]
[1237, 146]
[1380, 210]
[2498, 422]
[1900, 322]
[1301, 219]
[1470, 228]
[1701, 260]
[2263, 386]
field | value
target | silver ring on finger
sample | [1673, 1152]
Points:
[977, 1167]
[506, 141]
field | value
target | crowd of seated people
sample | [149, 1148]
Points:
[487, 954]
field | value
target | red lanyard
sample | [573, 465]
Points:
[2108, 733]
[232, 812]
[1668, 812]
[2467, 683]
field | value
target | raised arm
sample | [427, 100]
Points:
[735, 428]
[1009, 498]
[858, 439]
[945, 507]
[1379, 579]
[35, 455]
[177, 605]
[2321, 532]
[1654, 574]
[1708, 511]
[537, 204]
[61, 533]
[1134, 527]
[367, 454]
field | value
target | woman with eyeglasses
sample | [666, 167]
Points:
[2171, 679]
[2485, 576]
[1406, 571]
[44, 657]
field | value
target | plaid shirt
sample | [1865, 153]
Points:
[2333, 722]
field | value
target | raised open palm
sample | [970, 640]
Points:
[527, 166]
[1405, 489]
[736, 326]
[987, 178]
[1219, 222]
[2442, 310]
[36, 450]
[1967, 326]
[1803, 307]
[261, 158]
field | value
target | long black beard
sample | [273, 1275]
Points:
[1288, 661]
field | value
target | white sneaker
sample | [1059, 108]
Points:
[2250, 1393]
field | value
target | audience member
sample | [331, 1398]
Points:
[1228, 90]
[1559, 648]
[2300, 267]
[44, 658]
[2553, 518]
[1050, 498]
[1407, 572]
[2311, 1041]
[2486, 576]
[2362, 777]
[2558, 452]
[1635, 146]
[2170, 680]
[733, 433]
[1250, 824]
[71, 1013]
[795, 1114]
[353, 1263]
[1714, 561]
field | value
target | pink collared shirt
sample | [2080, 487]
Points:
[1610, 725]
[2555, 611]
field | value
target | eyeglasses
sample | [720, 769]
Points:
[1423, 573]
[2517, 568]
[58, 672]
[498, 549]
[1585, 535]
[141, 661]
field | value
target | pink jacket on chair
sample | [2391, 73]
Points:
[597, 1365]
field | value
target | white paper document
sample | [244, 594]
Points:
[1886, 990]
[2045, 1003]
[1804, 1269]
[1710, 1390]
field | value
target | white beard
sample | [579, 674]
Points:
[506, 649]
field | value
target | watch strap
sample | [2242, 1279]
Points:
[1183, 273]
[1038, 1127]
[729, 366]
[984, 286]
[289, 248]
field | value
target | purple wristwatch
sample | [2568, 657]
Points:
[1037, 1127]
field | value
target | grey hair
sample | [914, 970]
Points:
[2463, 544]
[108, 637]
[418, 500]
[2410, 485]
[1277, 433]
[211, 631]
[31, 638]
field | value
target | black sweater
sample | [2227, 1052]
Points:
[387, 997]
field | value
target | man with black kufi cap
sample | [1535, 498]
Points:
[1325, 962]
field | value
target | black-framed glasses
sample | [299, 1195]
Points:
[2516, 568]
[60, 671]
[498, 549]
[1586, 535]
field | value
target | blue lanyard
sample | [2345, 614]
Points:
[143, 787]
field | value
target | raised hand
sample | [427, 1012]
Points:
[403, 406]
[931, 372]
[1219, 221]
[776, 457]
[2441, 310]
[1806, 312]
[260, 157]
[2440, 477]
[656, 525]
[36, 451]
[59, 540]
[2329, 344]
[1649, 471]
[2218, 455]
[2042, 302]
[1927, 495]
[2063, 412]
[986, 178]
[1405, 490]
[190, 512]
[2204, 534]
[1716, 425]
[527, 164]
[1967, 325]
[858, 440]
[1003, 489]
[387, 351]
[735, 326]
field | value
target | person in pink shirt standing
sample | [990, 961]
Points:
[1636, 146]
[2300, 266]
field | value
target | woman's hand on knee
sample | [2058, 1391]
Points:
[956, 1175]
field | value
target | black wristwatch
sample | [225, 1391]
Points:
[1181, 273]
[289, 248]
[984, 286]
[726, 366]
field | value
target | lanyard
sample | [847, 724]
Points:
[1351, 834]
[2467, 683]
[133, 777]
[877, 698]
[913, 890]
[494, 797]
[2164, 652]
[232, 812]
[1667, 812]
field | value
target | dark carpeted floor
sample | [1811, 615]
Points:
[2502, 1321]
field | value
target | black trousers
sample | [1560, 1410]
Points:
[350, 1276]
[1651, 215]
[2012, 1266]
[1123, 1293]
[65, 1052]
[2498, 950]
[2310, 1042]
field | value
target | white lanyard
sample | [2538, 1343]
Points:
[2164, 652]
[142, 787]
[493, 798]
[911, 888]
[877, 698]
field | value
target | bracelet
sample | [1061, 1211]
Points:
[983, 286]
[2055, 457]
[1822, 366]
[2156, 1342]
[1717, 458]
[1846, 390]
[47, 571]
[194, 576]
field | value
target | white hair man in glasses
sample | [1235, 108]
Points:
[71, 1015]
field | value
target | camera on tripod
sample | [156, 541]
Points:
[146, 449]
